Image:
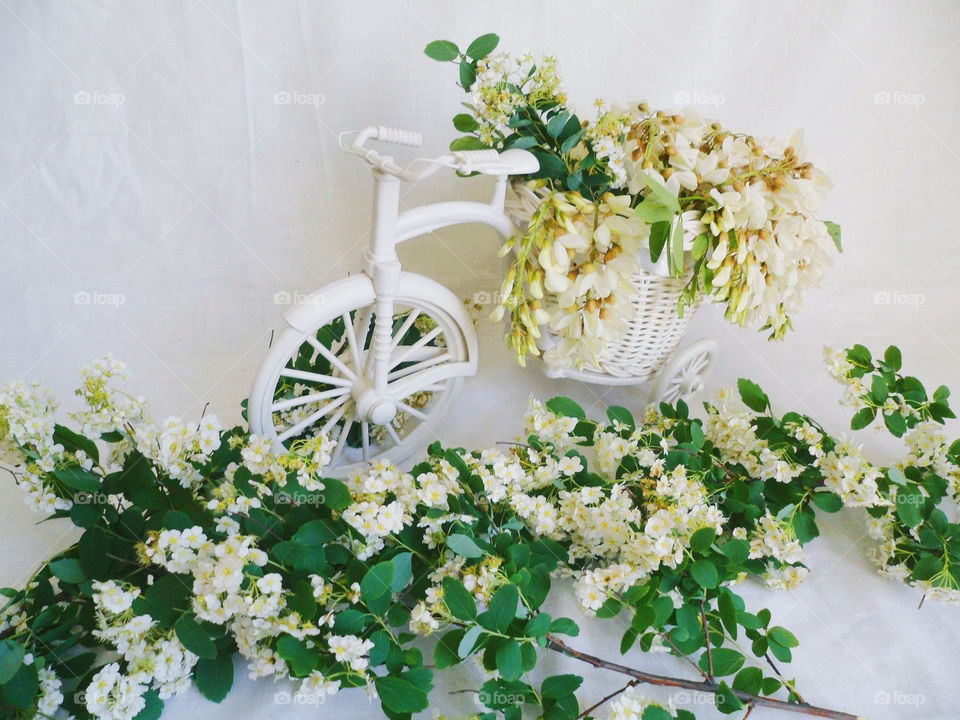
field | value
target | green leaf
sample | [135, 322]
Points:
[702, 539]
[736, 550]
[377, 582]
[482, 46]
[315, 532]
[214, 677]
[656, 712]
[566, 407]
[705, 573]
[153, 708]
[749, 680]
[502, 609]
[878, 389]
[465, 123]
[660, 192]
[21, 690]
[565, 626]
[700, 245]
[442, 50]
[468, 142]
[299, 656]
[77, 478]
[400, 696]
[468, 75]
[11, 658]
[72, 442]
[753, 397]
[653, 211]
[910, 503]
[895, 424]
[834, 231]
[862, 418]
[621, 415]
[659, 231]
[892, 358]
[558, 686]
[726, 661]
[469, 641]
[896, 476]
[458, 599]
[827, 501]
[728, 613]
[727, 702]
[336, 494]
[68, 570]
[446, 651]
[676, 247]
[402, 570]
[509, 663]
[556, 124]
[464, 546]
[195, 638]
[783, 636]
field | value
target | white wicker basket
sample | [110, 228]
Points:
[656, 327]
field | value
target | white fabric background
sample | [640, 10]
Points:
[148, 168]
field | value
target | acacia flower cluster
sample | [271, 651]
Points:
[735, 217]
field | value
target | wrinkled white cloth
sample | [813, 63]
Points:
[170, 182]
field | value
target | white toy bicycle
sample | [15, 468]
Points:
[372, 361]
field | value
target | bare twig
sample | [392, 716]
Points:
[700, 686]
[609, 697]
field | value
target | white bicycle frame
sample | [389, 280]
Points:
[391, 227]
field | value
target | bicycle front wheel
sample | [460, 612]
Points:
[318, 375]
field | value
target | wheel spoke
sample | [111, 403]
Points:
[409, 350]
[310, 420]
[412, 411]
[333, 420]
[393, 434]
[306, 399]
[411, 369]
[351, 334]
[341, 444]
[407, 324]
[365, 439]
[316, 377]
[331, 358]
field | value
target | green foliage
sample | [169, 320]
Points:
[488, 570]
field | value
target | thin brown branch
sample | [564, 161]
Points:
[699, 686]
[609, 697]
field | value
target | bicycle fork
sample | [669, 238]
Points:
[383, 266]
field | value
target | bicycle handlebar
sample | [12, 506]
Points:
[491, 162]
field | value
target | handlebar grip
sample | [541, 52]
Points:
[472, 156]
[399, 137]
